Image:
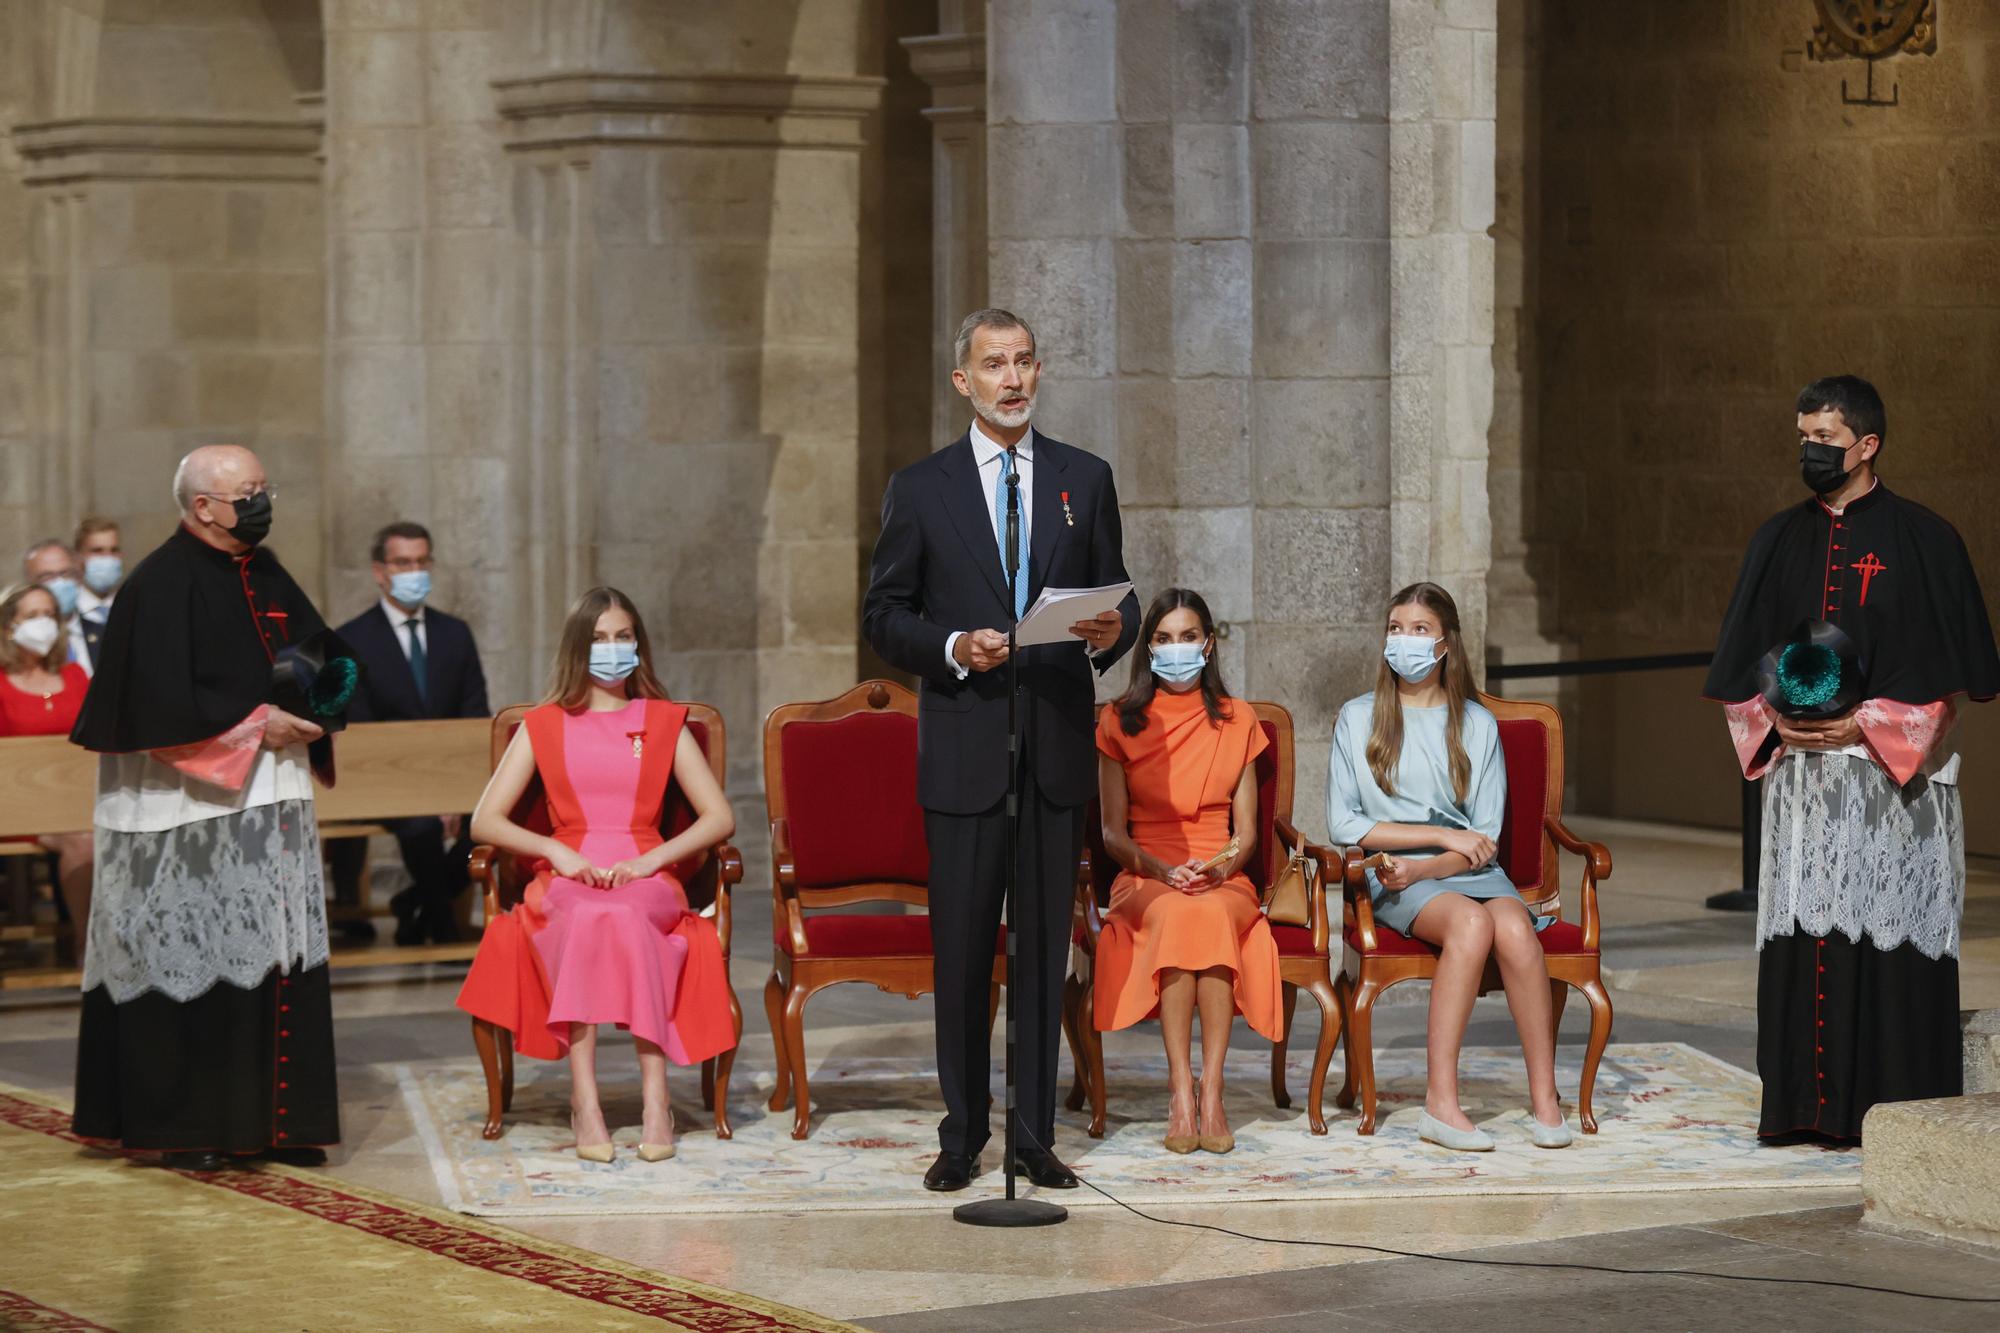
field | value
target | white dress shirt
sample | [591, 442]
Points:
[991, 456]
[398, 619]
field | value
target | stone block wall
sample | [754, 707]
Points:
[1275, 337]
[1717, 229]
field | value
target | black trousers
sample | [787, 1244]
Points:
[231, 1070]
[1843, 1025]
[439, 871]
[968, 884]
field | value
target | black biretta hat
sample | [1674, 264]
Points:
[1816, 673]
[315, 678]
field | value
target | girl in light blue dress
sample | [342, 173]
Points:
[1416, 771]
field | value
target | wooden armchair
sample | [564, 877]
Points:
[503, 879]
[1303, 956]
[1376, 957]
[840, 784]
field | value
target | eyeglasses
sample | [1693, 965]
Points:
[270, 491]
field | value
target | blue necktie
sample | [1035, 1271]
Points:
[1000, 526]
[419, 667]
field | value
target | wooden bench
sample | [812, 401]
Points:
[384, 770]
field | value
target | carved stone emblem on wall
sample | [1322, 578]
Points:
[1871, 29]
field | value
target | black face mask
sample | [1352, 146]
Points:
[253, 519]
[1820, 466]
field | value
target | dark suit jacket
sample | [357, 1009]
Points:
[388, 693]
[937, 569]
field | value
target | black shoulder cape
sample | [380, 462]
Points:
[1891, 573]
[187, 652]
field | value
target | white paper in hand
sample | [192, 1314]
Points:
[1049, 619]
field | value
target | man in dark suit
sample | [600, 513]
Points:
[938, 606]
[420, 663]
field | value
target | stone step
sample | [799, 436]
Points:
[1932, 1168]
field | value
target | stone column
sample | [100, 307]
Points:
[686, 392]
[170, 213]
[1190, 201]
[419, 254]
[1442, 62]
[953, 63]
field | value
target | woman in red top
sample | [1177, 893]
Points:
[41, 692]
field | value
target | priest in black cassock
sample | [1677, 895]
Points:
[207, 1022]
[1862, 877]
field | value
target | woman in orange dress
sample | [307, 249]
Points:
[1176, 782]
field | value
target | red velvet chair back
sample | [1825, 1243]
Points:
[698, 879]
[1531, 747]
[842, 776]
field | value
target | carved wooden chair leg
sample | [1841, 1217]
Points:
[1558, 997]
[505, 1041]
[1343, 992]
[1079, 1079]
[1600, 1033]
[1281, 1097]
[1361, 1051]
[774, 1010]
[484, 1038]
[1330, 1026]
[716, 1072]
[795, 1055]
[1093, 1058]
[708, 1084]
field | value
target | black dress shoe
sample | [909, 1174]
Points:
[409, 924]
[295, 1156]
[198, 1160]
[1043, 1168]
[951, 1171]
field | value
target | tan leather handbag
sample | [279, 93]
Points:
[1287, 901]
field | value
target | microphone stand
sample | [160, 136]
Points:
[1010, 1211]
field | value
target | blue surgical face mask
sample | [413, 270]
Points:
[1178, 663]
[612, 662]
[1411, 656]
[411, 586]
[102, 572]
[64, 589]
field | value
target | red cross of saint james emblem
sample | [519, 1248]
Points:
[1868, 567]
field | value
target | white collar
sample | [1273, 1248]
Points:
[397, 616]
[985, 448]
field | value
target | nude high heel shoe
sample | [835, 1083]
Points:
[596, 1152]
[655, 1152]
[1217, 1143]
[1182, 1143]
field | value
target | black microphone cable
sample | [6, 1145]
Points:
[1519, 1263]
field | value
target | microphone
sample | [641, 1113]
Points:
[1013, 520]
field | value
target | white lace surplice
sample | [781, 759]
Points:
[197, 884]
[1846, 849]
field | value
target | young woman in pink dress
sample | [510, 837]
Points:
[604, 934]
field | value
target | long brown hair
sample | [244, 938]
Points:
[1385, 738]
[569, 682]
[1139, 693]
[13, 657]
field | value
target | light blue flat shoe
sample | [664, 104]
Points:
[1432, 1130]
[1549, 1136]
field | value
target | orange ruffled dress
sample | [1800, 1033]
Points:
[573, 953]
[1180, 776]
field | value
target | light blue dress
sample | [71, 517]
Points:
[1355, 803]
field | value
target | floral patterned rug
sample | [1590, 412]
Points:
[1669, 1116]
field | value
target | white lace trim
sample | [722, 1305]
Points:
[224, 899]
[1845, 849]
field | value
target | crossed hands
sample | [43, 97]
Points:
[1834, 733]
[1190, 878]
[571, 864]
[1397, 873]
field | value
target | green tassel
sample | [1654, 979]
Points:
[334, 686]
[1808, 674]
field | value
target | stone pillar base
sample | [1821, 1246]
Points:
[1932, 1168]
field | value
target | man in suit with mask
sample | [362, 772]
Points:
[938, 605]
[421, 663]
